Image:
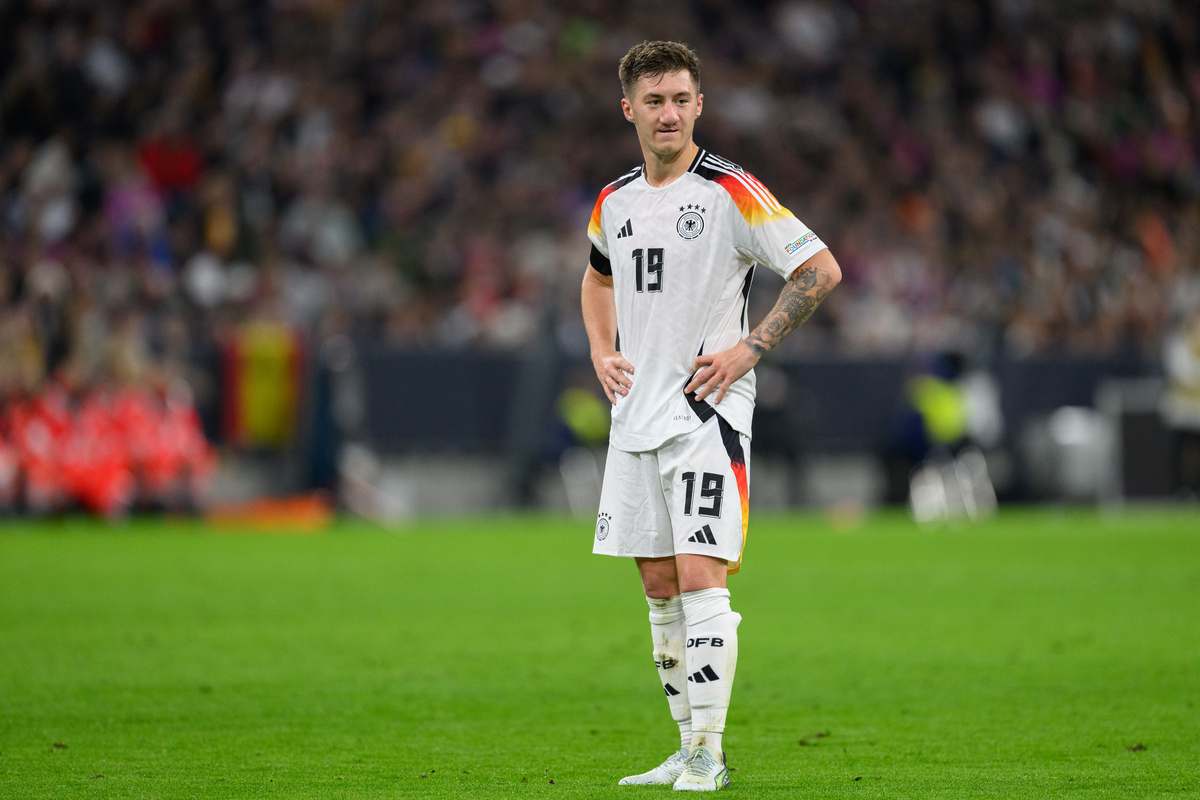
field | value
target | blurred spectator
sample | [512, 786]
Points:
[997, 178]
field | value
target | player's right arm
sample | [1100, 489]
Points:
[600, 319]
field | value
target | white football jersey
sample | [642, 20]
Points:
[682, 259]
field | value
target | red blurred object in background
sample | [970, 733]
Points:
[173, 162]
[113, 450]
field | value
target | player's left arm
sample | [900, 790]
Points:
[803, 292]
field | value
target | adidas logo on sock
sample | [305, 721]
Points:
[671, 690]
[626, 229]
[703, 536]
[704, 675]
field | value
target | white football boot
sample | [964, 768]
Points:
[662, 775]
[703, 773]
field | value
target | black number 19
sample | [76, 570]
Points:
[649, 262]
[712, 487]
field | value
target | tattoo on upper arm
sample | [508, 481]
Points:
[797, 302]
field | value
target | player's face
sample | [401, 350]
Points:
[664, 110]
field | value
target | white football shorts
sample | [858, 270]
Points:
[691, 495]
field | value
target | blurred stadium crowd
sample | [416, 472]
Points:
[1010, 178]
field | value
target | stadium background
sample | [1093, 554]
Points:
[297, 264]
[355, 231]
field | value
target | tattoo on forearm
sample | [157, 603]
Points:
[797, 302]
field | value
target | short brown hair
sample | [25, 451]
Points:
[651, 59]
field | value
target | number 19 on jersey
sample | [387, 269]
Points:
[648, 264]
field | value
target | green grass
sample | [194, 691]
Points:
[486, 657]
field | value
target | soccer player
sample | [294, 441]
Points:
[675, 242]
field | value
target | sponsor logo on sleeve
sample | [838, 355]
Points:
[803, 240]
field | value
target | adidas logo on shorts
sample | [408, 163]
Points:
[703, 536]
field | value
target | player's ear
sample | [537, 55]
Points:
[699, 104]
[627, 108]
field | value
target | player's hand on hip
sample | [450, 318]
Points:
[615, 374]
[719, 371]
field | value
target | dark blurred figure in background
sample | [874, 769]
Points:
[998, 178]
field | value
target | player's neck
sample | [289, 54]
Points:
[661, 170]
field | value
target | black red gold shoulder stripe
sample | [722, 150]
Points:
[624, 180]
[752, 198]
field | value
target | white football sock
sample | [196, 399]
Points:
[711, 662]
[669, 630]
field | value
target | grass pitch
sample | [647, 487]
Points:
[1044, 654]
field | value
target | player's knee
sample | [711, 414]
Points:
[697, 573]
[661, 588]
[659, 579]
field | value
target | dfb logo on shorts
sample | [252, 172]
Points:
[602, 523]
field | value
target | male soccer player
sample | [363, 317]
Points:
[674, 245]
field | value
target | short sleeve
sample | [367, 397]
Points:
[784, 243]
[773, 235]
[599, 261]
[596, 228]
[599, 257]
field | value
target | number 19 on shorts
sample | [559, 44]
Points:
[712, 487]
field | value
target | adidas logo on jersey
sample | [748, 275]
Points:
[703, 536]
[626, 229]
[704, 675]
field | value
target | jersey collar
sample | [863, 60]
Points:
[700, 154]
